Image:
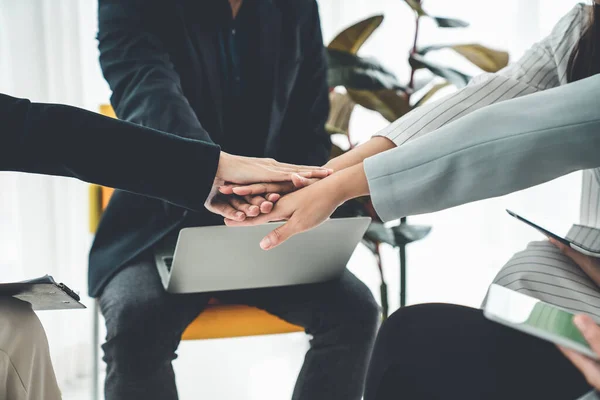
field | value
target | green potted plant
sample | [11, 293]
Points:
[366, 82]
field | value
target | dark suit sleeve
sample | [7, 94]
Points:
[61, 140]
[308, 109]
[146, 88]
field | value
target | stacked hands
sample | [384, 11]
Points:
[251, 191]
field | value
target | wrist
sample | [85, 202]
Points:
[349, 183]
[224, 164]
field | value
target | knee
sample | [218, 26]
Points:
[126, 314]
[20, 325]
[362, 318]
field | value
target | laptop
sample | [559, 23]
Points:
[219, 258]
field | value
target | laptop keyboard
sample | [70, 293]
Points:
[168, 262]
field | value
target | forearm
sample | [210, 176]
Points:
[376, 145]
[347, 184]
[60, 140]
[519, 143]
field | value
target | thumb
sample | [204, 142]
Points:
[577, 257]
[279, 235]
[300, 181]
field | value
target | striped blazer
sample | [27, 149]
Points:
[473, 144]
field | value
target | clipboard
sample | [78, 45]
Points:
[43, 293]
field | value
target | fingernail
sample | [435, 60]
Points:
[239, 215]
[253, 208]
[265, 243]
[582, 323]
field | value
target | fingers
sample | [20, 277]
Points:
[590, 331]
[262, 203]
[226, 210]
[579, 258]
[273, 197]
[588, 367]
[315, 174]
[261, 219]
[304, 168]
[280, 235]
[263, 188]
[241, 205]
[300, 181]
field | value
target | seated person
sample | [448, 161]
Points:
[250, 76]
[53, 139]
[432, 351]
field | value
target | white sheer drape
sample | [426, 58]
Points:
[48, 53]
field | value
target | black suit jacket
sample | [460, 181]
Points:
[54, 139]
[160, 59]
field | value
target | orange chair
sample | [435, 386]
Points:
[216, 321]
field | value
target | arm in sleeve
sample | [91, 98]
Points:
[519, 143]
[61, 140]
[146, 88]
[542, 67]
[308, 107]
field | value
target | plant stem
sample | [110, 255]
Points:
[411, 84]
[385, 308]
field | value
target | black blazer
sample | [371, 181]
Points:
[160, 60]
[53, 139]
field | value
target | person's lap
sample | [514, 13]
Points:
[543, 272]
[145, 323]
[442, 351]
[26, 370]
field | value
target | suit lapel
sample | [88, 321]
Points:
[270, 41]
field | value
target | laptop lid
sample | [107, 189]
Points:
[218, 258]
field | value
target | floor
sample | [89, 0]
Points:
[253, 365]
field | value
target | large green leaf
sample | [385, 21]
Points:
[355, 72]
[336, 151]
[455, 77]
[391, 104]
[487, 59]
[396, 235]
[450, 22]
[416, 6]
[353, 37]
[340, 111]
[405, 233]
[430, 93]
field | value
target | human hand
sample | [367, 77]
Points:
[271, 191]
[245, 170]
[309, 207]
[588, 367]
[238, 208]
[589, 265]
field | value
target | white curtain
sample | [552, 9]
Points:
[48, 53]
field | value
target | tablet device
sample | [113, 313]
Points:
[584, 239]
[530, 315]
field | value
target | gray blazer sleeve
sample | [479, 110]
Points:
[519, 143]
[593, 395]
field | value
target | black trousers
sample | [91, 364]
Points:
[442, 351]
[144, 324]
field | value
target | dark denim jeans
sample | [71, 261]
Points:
[144, 325]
